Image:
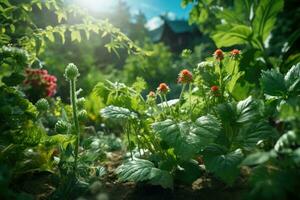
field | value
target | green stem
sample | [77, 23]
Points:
[75, 118]
[182, 91]
[190, 99]
[137, 139]
[166, 101]
[162, 105]
[128, 138]
[221, 82]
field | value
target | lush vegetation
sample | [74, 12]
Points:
[229, 119]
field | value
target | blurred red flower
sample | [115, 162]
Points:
[185, 76]
[219, 55]
[38, 83]
[163, 88]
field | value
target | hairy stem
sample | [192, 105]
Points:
[75, 118]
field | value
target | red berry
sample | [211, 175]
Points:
[214, 88]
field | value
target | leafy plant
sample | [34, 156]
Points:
[169, 135]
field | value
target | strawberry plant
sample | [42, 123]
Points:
[170, 134]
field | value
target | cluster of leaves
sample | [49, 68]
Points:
[275, 172]
[19, 27]
[220, 123]
[168, 137]
[248, 24]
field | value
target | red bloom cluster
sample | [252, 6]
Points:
[219, 55]
[40, 80]
[163, 88]
[185, 76]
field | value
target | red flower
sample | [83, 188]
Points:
[219, 55]
[163, 88]
[235, 53]
[185, 76]
[214, 88]
[40, 80]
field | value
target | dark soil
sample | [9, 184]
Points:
[40, 185]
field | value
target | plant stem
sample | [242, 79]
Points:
[137, 139]
[166, 101]
[128, 138]
[190, 99]
[162, 105]
[221, 82]
[182, 91]
[75, 118]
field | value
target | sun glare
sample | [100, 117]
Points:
[95, 5]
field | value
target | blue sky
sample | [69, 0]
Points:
[150, 8]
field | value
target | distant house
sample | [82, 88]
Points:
[177, 34]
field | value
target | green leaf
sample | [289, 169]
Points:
[75, 35]
[247, 110]
[251, 134]
[258, 158]
[50, 36]
[118, 113]
[143, 170]
[231, 84]
[226, 36]
[14, 79]
[177, 136]
[101, 91]
[207, 128]
[287, 141]
[227, 112]
[273, 83]
[265, 17]
[292, 78]
[222, 163]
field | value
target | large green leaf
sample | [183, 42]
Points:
[292, 79]
[247, 110]
[177, 136]
[233, 80]
[265, 17]
[249, 135]
[227, 112]
[258, 158]
[227, 36]
[117, 113]
[207, 128]
[143, 170]
[287, 141]
[273, 83]
[222, 163]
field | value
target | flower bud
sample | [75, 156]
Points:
[71, 72]
[235, 54]
[80, 103]
[185, 77]
[82, 115]
[151, 95]
[219, 55]
[42, 105]
[163, 88]
[62, 127]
